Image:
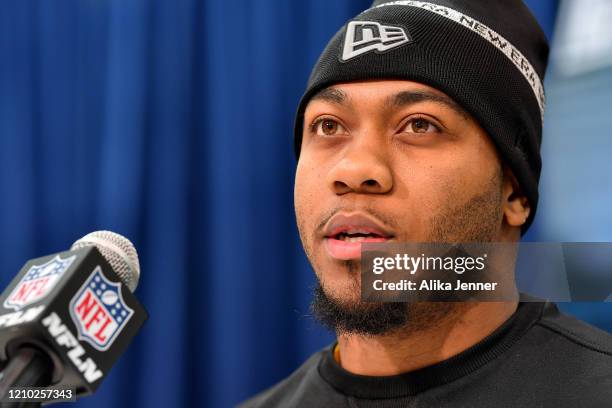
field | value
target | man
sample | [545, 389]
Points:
[422, 123]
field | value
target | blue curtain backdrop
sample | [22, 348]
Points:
[171, 122]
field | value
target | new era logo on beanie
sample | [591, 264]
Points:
[489, 56]
[364, 36]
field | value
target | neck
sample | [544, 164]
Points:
[409, 350]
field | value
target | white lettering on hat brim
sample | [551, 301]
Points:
[498, 41]
[365, 36]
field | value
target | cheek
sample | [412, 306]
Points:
[430, 184]
[423, 190]
[453, 184]
[306, 192]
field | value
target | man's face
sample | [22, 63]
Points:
[391, 161]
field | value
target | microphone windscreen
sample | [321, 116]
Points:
[118, 251]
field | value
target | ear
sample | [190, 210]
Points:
[515, 205]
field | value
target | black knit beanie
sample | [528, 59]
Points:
[489, 56]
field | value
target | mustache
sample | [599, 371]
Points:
[384, 218]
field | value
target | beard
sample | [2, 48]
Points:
[477, 220]
[375, 319]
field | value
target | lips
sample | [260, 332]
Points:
[344, 234]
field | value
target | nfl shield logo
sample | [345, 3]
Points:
[99, 311]
[38, 282]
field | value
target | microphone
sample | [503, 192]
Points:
[66, 318]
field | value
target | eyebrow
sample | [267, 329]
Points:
[406, 98]
[331, 94]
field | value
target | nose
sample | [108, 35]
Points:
[362, 169]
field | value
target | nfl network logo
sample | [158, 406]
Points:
[99, 311]
[38, 282]
[364, 36]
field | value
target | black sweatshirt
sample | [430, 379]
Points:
[538, 358]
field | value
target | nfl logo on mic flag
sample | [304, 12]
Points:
[99, 311]
[37, 283]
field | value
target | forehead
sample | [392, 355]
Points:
[389, 93]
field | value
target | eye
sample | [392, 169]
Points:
[327, 127]
[420, 125]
